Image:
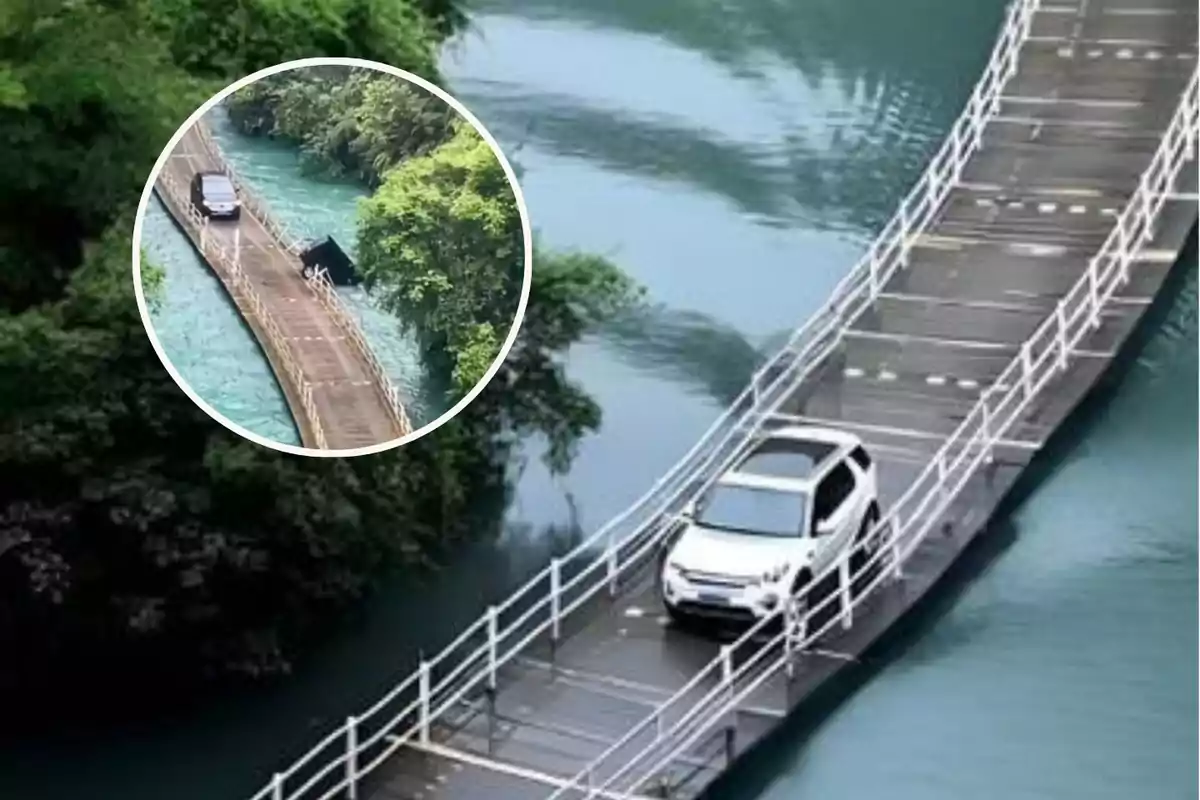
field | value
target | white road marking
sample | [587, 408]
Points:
[635, 612]
[933, 340]
[968, 383]
[853, 372]
[1047, 208]
[1077, 209]
[936, 380]
[891, 430]
[887, 375]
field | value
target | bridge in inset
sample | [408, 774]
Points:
[337, 390]
[1004, 286]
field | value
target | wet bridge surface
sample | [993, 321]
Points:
[337, 391]
[987, 309]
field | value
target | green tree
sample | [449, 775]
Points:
[441, 244]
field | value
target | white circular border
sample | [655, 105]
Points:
[137, 263]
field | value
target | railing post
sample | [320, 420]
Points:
[956, 158]
[1026, 371]
[614, 566]
[277, 786]
[844, 582]
[492, 634]
[790, 624]
[555, 599]
[873, 271]
[905, 226]
[351, 758]
[727, 666]
[1061, 324]
[1093, 274]
[986, 425]
[1123, 254]
[423, 688]
[897, 569]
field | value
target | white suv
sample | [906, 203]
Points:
[789, 506]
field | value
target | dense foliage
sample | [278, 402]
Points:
[353, 122]
[442, 245]
[139, 540]
[440, 240]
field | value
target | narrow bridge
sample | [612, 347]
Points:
[988, 306]
[338, 392]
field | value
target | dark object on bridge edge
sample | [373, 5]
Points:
[330, 256]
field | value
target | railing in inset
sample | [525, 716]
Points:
[318, 284]
[325, 292]
[228, 268]
[704, 704]
[474, 660]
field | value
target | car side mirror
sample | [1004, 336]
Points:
[688, 511]
[825, 526]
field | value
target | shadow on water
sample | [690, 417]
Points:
[1172, 313]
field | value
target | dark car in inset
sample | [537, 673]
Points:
[214, 195]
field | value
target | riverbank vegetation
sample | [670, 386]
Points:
[142, 546]
[440, 241]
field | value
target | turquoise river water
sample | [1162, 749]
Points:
[735, 157]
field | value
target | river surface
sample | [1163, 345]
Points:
[735, 157]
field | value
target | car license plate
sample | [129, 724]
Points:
[713, 599]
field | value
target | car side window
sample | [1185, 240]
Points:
[861, 458]
[832, 492]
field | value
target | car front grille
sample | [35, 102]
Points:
[699, 578]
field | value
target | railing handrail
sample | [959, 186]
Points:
[326, 294]
[717, 447]
[979, 433]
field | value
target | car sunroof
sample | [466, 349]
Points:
[783, 458]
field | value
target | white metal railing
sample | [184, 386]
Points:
[703, 705]
[473, 661]
[326, 294]
[228, 268]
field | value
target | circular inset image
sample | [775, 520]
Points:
[332, 257]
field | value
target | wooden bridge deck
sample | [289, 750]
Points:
[335, 377]
[1096, 87]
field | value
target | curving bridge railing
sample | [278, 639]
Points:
[318, 284]
[228, 268]
[410, 712]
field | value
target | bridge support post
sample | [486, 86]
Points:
[423, 688]
[844, 589]
[351, 758]
[731, 741]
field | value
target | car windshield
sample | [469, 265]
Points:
[218, 187]
[764, 512]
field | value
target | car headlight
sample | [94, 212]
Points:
[775, 574]
[674, 569]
